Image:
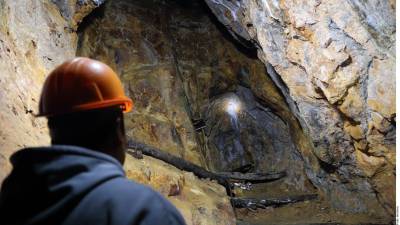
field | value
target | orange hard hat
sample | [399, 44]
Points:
[82, 84]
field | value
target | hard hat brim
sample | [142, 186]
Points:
[125, 103]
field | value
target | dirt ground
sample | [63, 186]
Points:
[302, 213]
[309, 212]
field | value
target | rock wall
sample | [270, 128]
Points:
[334, 61]
[132, 39]
[34, 38]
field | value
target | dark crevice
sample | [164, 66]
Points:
[97, 13]
[272, 107]
[329, 168]
[248, 48]
[284, 90]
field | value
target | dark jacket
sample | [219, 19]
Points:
[70, 185]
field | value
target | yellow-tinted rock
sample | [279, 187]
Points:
[369, 164]
[381, 87]
[353, 104]
[360, 145]
[378, 122]
[386, 189]
[355, 131]
[34, 38]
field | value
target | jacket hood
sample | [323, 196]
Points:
[47, 181]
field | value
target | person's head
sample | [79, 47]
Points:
[99, 129]
[84, 102]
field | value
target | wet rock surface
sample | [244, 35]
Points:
[245, 136]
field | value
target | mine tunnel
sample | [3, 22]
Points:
[193, 86]
[232, 121]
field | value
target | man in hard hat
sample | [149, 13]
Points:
[79, 179]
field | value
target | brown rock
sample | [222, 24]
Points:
[33, 40]
[353, 104]
[361, 145]
[379, 122]
[381, 88]
[369, 164]
[355, 131]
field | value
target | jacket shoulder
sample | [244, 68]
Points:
[127, 202]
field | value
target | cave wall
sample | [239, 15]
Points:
[132, 38]
[34, 38]
[335, 63]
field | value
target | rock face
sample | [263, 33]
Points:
[135, 43]
[34, 38]
[334, 62]
[245, 136]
